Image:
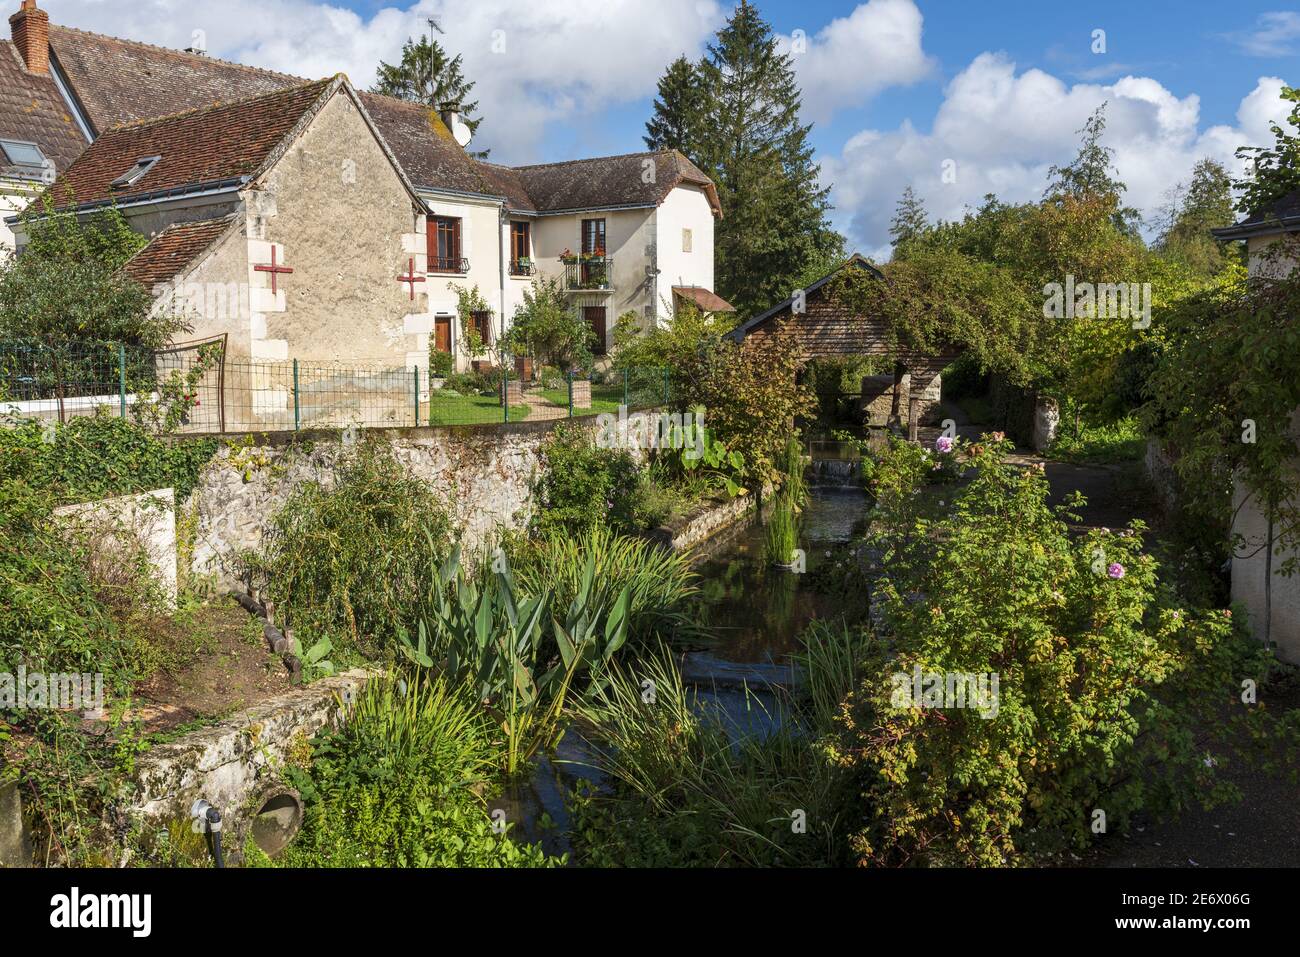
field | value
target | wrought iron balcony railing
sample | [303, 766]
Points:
[589, 273]
[522, 267]
[448, 264]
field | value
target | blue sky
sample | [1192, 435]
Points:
[954, 98]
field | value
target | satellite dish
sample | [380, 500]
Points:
[456, 124]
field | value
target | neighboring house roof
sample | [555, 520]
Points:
[424, 146]
[122, 81]
[173, 249]
[1282, 217]
[706, 299]
[33, 111]
[214, 145]
[857, 261]
[505, 181]
[610, 182]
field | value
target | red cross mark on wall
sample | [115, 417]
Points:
[411, 277]
[275, 270]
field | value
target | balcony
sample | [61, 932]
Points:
[452, 265]
[522, 267]
[589, 274]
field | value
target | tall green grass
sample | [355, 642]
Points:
[660, 582]
[832, 666]
[791, 465]
[782, 532]
[686, 793]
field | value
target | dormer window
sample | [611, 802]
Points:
[26, 155]
[135, 173]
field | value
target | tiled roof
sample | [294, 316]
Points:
[706, 299]
[122, 81]
[32, 111]
[423, 145]
[203, 146]
[506, 181]
[610, 181]
[172, 250]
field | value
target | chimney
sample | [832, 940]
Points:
[455, 123]
[30, 29]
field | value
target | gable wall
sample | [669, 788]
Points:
[686, 207]
[339, 215]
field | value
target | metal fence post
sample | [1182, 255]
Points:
[121, 377]
[416, 400]
[667, 388]
[625, 387]
[570, 393]
[296, 415]
[505, 394]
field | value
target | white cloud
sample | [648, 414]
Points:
[853, 58]
[535, 63]
[1003, 130]
[1275, 35]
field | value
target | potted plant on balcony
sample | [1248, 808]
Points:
[568, 258]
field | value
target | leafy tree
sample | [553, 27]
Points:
[754, 147]
[910, 221]
[547, 327]
[680, 110]
[751, 395]
[67, 286]
[428, 75]
[1204, 205]
[1275, 170]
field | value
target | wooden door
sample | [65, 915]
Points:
[442, 333]
[595, 318]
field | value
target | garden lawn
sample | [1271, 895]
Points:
[470, 410]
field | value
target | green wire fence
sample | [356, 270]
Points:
[197, 388]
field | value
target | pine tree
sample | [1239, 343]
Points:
[428, 75]
[750, 141]
[1090, 176]
[680, 110]
[910, 221]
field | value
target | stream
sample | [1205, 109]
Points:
[754, 614]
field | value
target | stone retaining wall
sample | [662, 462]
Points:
[486, 476]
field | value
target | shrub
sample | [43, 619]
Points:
[1102, 683]
[394, 786]
[582, 486]
[440, 363]
[350, 560]
[782, 534]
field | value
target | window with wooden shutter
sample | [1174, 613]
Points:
[482, 323]
[444, 245]
[521, 249]
[593, 237]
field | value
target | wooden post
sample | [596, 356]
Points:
[899, 369]
[913, 417]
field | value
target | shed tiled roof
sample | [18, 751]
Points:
[122, 81]
[706, 299]
[610, 181]
[203, 146]
[32, 111]
[173, 249]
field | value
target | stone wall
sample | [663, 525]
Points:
[485, 474]
[121, 526]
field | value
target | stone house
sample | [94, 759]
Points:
[1272, 240]
[639, 227]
